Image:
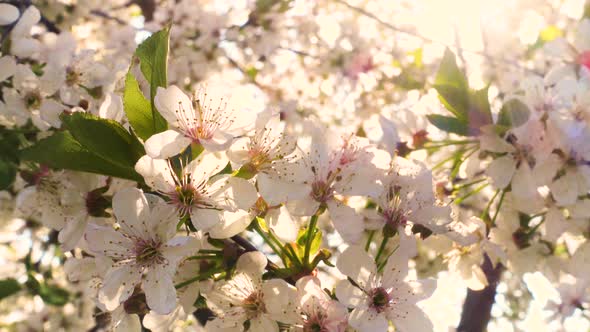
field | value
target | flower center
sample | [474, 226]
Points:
[33, 100]
[147, 252]
[380, 299]
[321, 191]
[184, 197]
[72, 77]
[254, 304]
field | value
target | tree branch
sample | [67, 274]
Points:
[477, 308]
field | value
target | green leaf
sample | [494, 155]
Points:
[62, 151]
[480, 113]
[106, 138]
[514, 113]
[54, 295]
[153, 62]
[451, 85]
[315, 243]
[449, 124]
[7, 174]
[8, 287]
[138, 109]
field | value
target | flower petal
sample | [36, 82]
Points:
[118, 285]
[355, 263]
[159, 289]
[166, 144]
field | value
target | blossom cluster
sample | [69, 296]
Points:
[283, 166]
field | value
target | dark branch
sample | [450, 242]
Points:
[477, 308]
[51, 27]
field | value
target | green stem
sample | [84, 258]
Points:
[485, 214]
[266, 239]
[381, 248]
[310, 235]
[440, 144]
[493, 222]
[471, 193]
[369, 239]
[468, 184]
[200, 277]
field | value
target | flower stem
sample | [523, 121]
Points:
[493, 222]
[471, 193]
[280, 250]
[311, 230]
[381, 248]
[369, 240]
[200, 277]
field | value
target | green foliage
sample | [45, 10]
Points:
[106, 138]
[10, 142]
[514, 113]
[138, 109]
[449, 124]
[9, 287]
[153, 62]
[451, 85]
[470, 108]
[63, 151]
[302, 240]
[51, 294]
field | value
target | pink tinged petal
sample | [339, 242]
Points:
[166, 144]
[220, 141]
[501, 170]
[241, 193]
[263, 323]
[50, 111]
[205, 219]
[72, 232]
[8, 14]
[30, 17]
[131, 209]
[368, 320]
[555, 224]
[238, 151]
[232, 223]
[414, 291]
[409, 318]
[396, 269]
[156, 173]
[355, 263]
[565, 189]
[163, 220]
[283, 224]
[279, 300]
[308, 291]
[178, 248]
[82, 269]
[275, 190]
[347, 222]
[407, 242]
[253, 263]
[523, 184]
[170, 101]
[206, 165]
[159, 289]
[128, 323]
[349, 295]
[118, 285]
[159, 323]
[108, 242]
